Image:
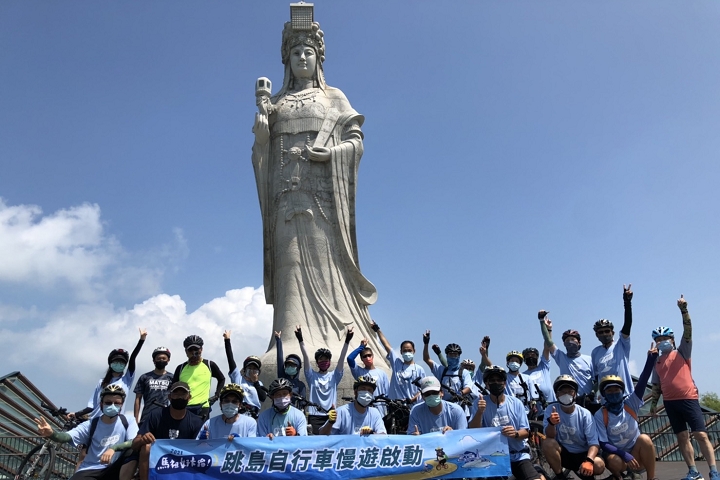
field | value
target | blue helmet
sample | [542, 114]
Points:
[663, 332]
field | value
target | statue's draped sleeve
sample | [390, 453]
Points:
[261, 166]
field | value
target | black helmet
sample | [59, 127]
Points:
[453, 348]
[118, 354]
[365, 380]
[603, 323]
[113, 389]
[323, 352]
[232, 389]
[161, 350]
[571, 333]
[193, 341]
[494, 370]
[252, 360]
[530, 350]
[280, 384]
[563, 380]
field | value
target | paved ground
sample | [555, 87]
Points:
[678, 470]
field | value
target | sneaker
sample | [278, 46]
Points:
[693, 476]
[714, 475]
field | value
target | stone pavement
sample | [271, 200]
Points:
[677, 470]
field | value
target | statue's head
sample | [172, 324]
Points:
[303, 47]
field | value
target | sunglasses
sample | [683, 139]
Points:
[369, 355]
[107, 404]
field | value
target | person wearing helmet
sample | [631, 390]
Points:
[151, 388]
[450, 377]
[405, 372]
[518, 385]
[500, 410]
[572, 438]
[571, 361]
[673, 380]
[289, 368]
[468, 365]
[434, 414]
[623, 446]
[248, 377]
[356, 418]
[538, 369]
[367, 356]
[229, 424]
[176, 421]
[322, 383]
[198, 373]
[106, 437]
[611, 356]
[283, 419]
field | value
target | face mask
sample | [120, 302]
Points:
[229, 410]
[665, 346]
[453, 363]
[281, 403]
[432, 400]
[364, 398]
[161, 365]
[324, 365]
[117, 367]
[408, 356]
[572, 348]
[292, 371]
[605, 339]
[614, 398]
[111, 410]
[566, 400]
[531, 362]
[496, 388]
[178, 403]
[513, 366]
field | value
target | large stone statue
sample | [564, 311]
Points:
[308, 145]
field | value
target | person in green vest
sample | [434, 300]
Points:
[197, 372]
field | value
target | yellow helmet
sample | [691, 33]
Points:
[514, 353]
[610, 380]
[232, 388]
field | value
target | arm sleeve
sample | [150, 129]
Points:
[218, 375]
[279, 358]
[261, 391]
[546, 335]
[645, 376]
[230, 358]
[60, 437]
[118, 447]
[627, 322]
[134, 354]
[351, 356]
[687, 327]
[176, 375]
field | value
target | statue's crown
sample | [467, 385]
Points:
[301, 29]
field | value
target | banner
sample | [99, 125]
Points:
[476, 452]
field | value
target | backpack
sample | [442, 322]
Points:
[627, 409]
[94, 424]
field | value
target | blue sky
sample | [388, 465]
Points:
[518, 156]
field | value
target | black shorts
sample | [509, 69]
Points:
[682, 413]
[524, 470]
[316, 422]
[572, 461]
[110, 473]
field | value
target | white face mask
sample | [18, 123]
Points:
[566, 399]
[364, 398]
[229, 410]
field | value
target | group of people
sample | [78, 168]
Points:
[582, 435]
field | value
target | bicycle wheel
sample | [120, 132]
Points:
[38, 464]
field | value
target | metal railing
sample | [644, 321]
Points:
[13, 449]
[665, 440]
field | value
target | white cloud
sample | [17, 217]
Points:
[633, 367]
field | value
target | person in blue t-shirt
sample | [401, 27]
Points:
[229, 424]
[282, 419]
[367, 356]
[106, 436]
[289, 368]
[572, 440]
[405, 372]
[323, 383]
[538, 369]
[450, 376]
[500, 410]
[434, 414]
[624, 447]
[611, 357]
[248, 377]
[356, 418]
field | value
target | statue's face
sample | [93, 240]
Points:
[303, 61]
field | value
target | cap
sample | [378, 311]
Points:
[178, 385]
[430, 384]
[294, 359]
[252, 360]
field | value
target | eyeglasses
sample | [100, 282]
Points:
[252, 371]
[369, 355]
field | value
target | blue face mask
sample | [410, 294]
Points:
[614, 398]
[111, 410]
[407, 356]
[453, 363]
[513, 366]
[292, 371]
[665, 347]
[229, 410]
[117, 367]
[432, 400]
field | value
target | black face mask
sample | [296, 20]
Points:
[178, 403]
[160, 365]
[531, 362]
[605, 339]
[496, 388]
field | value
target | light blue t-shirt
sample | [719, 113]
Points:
[580, 368]
[244, 426]
[576, 431]
[382, 382]
[540, 376]
[451, 416]
[125, 381]
[401, 386]
[323, 388]
[105, 435]
[250, 392]
[514, 388]
[271, 419]
[622, 430]
[349, 420]
[510, 412]
[613, 361]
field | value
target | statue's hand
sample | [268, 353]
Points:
[261, 129]
[319, 154]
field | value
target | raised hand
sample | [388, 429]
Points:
[627, 292]
[374, 326]
[44, 429]
[542, 314]
[277, 334]
[298, 334]
[436, 349]
[143, 333]
[226, 334]
[364, 342]
[682, 304]
[486, 342]
[426, 337]
[349, 334]
[548, 324]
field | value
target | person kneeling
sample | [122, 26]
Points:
[282, 420]
[101, 461]
[230, 424]
[435, 414]
[356, 417]
[500, 410]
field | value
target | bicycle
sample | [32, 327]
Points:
[398, 414]
[39, 462]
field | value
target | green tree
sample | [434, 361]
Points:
[710, 400]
